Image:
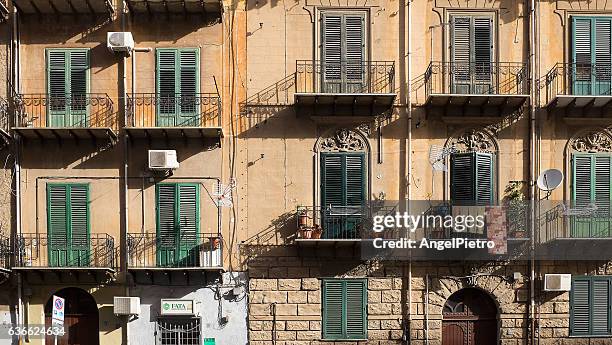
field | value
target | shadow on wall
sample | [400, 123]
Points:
[59, 155]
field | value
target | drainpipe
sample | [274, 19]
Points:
[409, 157]
[532, 167]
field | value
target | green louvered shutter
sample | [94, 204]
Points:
[580, 314]
[471, 54]
[343, 51]
[344, 308]
[462, 178]
[177, 87]
[591, 50]
[79, 225]
[67, 85]
[57, 228]
[189, 224]
[472, 178]
[600, 313]
[342, 193]
[356, 313]
[591, 184]
[166, 225]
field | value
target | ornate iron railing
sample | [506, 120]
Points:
[88, 110]
[5, 252]
[42, 250]
[152, 251]
[497, 78]
[174, 110]
[4, 114]
[570, 79]
[346, 77]
[576, 221]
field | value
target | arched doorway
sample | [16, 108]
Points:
[80, 318]
[469, 317]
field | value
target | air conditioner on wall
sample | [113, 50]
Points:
[557, 282]
[163, 160]
[126, 305]
[119, 41]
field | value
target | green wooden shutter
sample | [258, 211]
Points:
[79, 225]
[471, 54]
[189, 224]
[57, 225]
[177, 86]
[580, 315]
[331, 51]
[67, 85]
[591, 54]
[483, 178]
[472, 177]
[344, 308]
[590, 306]
[356, 313]
[354, 43]
[166, 224]
[332, 180]
[591, 184]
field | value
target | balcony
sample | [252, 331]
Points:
[157, 116]
[156, 260]
[4, 122]
[570, 231]
[476, 90]
[352, 91]
[5, 258]
[46, 259]
[88, 116]
[201, 7]
[64, 7]
[581, 91]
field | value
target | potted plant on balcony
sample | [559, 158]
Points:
[215, 242]
[302, 217]
[516, 210]
[317, 231]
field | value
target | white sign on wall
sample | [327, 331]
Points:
[57, 315]
[177, 307]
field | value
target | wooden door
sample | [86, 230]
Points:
[469, 318]
[80, 319]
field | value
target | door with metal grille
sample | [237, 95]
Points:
[178, 331]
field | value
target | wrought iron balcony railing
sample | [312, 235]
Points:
[174, 110]
[5, 252]
[516, 222]
[496, 78]
[152, 251]
[374, 77]
[90, 110]
[337, 223]
[42, 250]
[4, 114]
[576, 221]
[570, 79]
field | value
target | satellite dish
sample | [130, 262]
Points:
[550, 179]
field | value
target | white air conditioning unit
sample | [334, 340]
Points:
[163, 160]
[557, 282]
[119, 41]
[126, 305]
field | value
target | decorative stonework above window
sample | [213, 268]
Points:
[584, 5]
[473, 140]
[343, 140]
[594, 141]
[471, 4]
[343, 3]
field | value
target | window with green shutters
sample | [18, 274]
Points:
[68, 224]
[343, 51]
[67, 87]
[591, 186]
[590, 306]
[472, 176]
[471, 54]
[178, 85]
[178, 224]
[343, 181]
[591, 49]
[344, 308]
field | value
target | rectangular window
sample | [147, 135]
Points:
[68, 224]
[178, 85]
[471, 54]
[67, 87]
[343, 179]
[591, 190]
[344, 308]
[178, 224]
[343, 51]
[472, 178]
[178, 331]
[591, 49]
[590, 306]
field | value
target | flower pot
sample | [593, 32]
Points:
[306, 233]
[302, 219]
[216, 242]
[316, 233]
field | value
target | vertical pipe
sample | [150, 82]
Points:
[427, 309]
[409, 155]
[532, 167]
